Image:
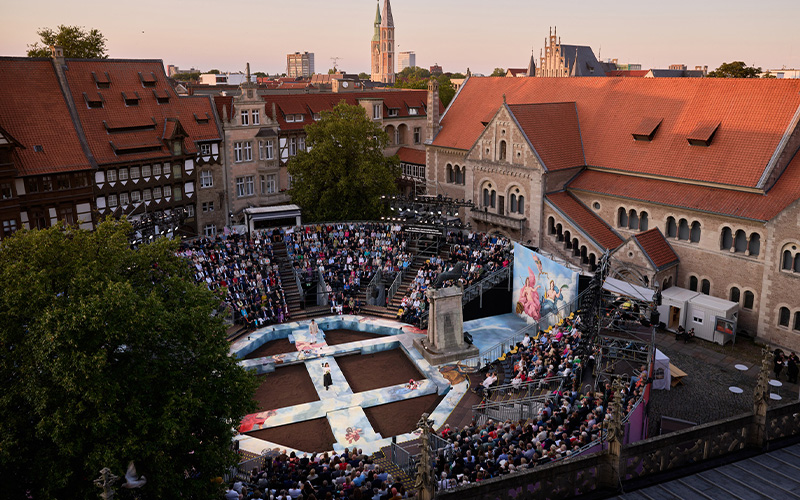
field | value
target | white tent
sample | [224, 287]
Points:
[661, 376]
[636, 292]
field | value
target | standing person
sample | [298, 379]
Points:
[313, 330]
[778, 366]
[792, 368]
[327, 380]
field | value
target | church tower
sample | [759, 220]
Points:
[375, 48]
[387, 44]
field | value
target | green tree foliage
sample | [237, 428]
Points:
[213, 72]
[187, 77]
[260, 74]
[75, 40]
[344, 174]
[417, 78]
[736, 69]
[364, 76]
[108, 355]
[498, 72]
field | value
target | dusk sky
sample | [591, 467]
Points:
[456, 34]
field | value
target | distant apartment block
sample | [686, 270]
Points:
[222, 78]
[782, 73]
[300, 65]
[407, 60]
[173, 70]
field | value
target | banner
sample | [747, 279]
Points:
[542, 288]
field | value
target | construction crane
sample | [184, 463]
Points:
[335, 62]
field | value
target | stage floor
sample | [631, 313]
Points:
[488, 332]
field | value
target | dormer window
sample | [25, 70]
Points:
[413, 111]
[201, 119]
[289, 118]
[162, 96]
[148, 79]
[647, 129]
[394, 111]
[703, 134]
[131, 99]
[102, 81]
[93, 100]
[298, 118]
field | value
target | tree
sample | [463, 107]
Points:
[364, 76]
[736, 69]
[344, 174]
[446, 90]
[75, 40]
[412, 77]
[187, 77]
[108, 355]
[213, 72]
[498, 72]
[260, 74]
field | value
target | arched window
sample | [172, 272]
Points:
[683, 230]
[783, 316]
[749, 299]
[755, 244]
[695, 234]
[643, 221]
[705, 287]
[584, 255]
[622, 217]
[787, 261]
[521, 204]
[459, 175]
[592, 262]
[551, 225]
[672, 228]
[502, 151]
[693, 283]
[513, 204]
[797, 263]
[487, 198]
[726, 241]
[740, 241]
[575, 249]
[567, 240]
[735, 295]
[494, 198]
[633, 220]
[449, 173]
[797, 320]
[559, 234]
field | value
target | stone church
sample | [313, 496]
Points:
[382, 46]
[687, 182]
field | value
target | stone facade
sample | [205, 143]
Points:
[382, 46]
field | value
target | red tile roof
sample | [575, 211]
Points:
[636, 73]
[553, 131]
[400, 99]
[226, 102]
[754, 115]
[33, 111]
[409, 155]
[583, 218]
[656, 248]
[124, 78]
[756, 206]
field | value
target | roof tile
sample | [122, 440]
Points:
[657, 248]
[585, 219]
[553, 131]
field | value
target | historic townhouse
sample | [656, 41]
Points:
[688, 182]
[117, 141]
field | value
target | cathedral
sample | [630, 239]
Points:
[382, 46]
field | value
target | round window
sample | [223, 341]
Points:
[596, 205]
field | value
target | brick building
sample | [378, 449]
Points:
[85, 139]
[681, 186]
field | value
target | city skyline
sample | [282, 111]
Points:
[456, 35]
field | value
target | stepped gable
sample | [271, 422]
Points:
[583, 218]
[656, 248]
[135, 92]
[553, 131]
[34, 113]
[754, 115]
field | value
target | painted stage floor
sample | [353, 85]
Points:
[488, 332]
[340, 405]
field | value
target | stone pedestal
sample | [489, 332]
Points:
[445, 342]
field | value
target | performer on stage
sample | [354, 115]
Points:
[327, 380]
[313, 330]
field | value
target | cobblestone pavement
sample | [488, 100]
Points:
[703, 396]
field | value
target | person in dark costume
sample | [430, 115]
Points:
[327, 380]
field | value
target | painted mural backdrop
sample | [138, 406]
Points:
[541, 287]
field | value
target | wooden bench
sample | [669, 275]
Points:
[676, 374]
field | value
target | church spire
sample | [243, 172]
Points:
[386, 18]
[376, 37]
[531, 66]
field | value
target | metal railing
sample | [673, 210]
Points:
[299, 284]
[395, 286]
[526, 389]
[372, 285]
[243, 469]
[403, 459]
[486, 282]
[322, 289]
[517, 409]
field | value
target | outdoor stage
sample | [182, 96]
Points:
[371, 362]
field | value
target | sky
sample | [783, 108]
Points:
[456, 34]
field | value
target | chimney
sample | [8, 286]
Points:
[274, 113]
[56, 52]
[433, 108]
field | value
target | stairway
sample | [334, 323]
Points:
[288, 282]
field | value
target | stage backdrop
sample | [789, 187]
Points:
[541, 287]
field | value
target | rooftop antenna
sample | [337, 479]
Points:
[335, 62]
